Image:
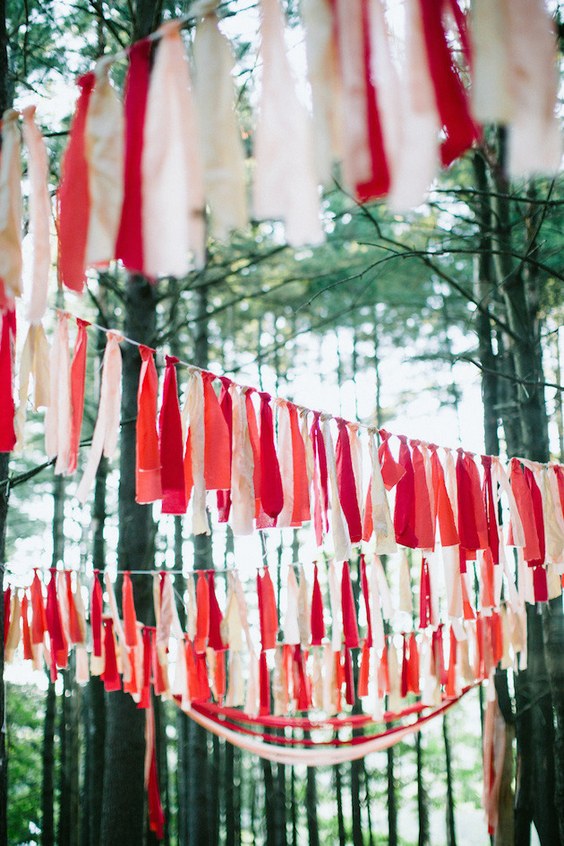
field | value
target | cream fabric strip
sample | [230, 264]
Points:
[39, 216]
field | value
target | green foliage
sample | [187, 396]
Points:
[25, 732]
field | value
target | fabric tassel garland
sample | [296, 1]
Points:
[404, 510]
[242, 471]
[129, 245]
[77, 387]
[267, 610]
[106, 430]
[346, 483]
[147, 454]
[226, 405]
[39, 216]
[170, 445]
[285, 185]
[10, 210]
[350, 626]
[171, 169]
[7, 410]
[317, 623]
[217, 446]
[74, 195]
[271, 493]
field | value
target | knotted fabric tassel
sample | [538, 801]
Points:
[10, 208]
[271, 493]
[74, 195]
[285, 184]
[424, 529]
[128, 610]
[366, 598]
[173, 191]
[203, 618]
[321, 491]
[467, 527]
[304, 610]
[317, 622]
[12, 632]
[413, 665]
[286, 463]
[222, 150]
[129, 245]
[301, 512]
[147, 453]
[77, 383]
[58, 641]
[38, 617]
[194, 457]
[39, 216]
[350, 694]
[425, 608]
[58, 416]
[104, 154]
[252, 429]
[267, 610]
[26, 630]
[154, 805]
[346, 483]
[171, 446]
[106, 430]
[217, 454]
[377, 516]
[490, 508]
[7, 409]
[525, 507]
[392, 470]
[96, 603]
[350, 627]
[291, 627]
[215, 640]
[404, 510]
[226, 405]
[242, 489]
[77, 629]
[264, 686]
[34, 361]
[341, 540]
[452, 103]
[110, 676]
[442, 504]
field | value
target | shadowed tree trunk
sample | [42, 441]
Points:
[48, 763]
[311, 807]
[450, 818]
[339, 796]
[422, 798]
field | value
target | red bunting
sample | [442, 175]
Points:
[346, 483]
[154, 805]
[350, 626]
[264, 686]
[171, 446]
[366, 597]
[96, 603]
[364, 672]
[129, 615]
[38, 616]
[215, 641]
[255, 447]
[301, 509]
[77, 382]
[317, 623]
[147, 455]
[268, 613]
[129, 245]
[379, 183]
[7, 408]
[226, 405]
[26, 631]
[392, 471]
[59, 645]
[424, 528]
[322, 493]
[7, 611]
[425, 607]
[450, 688]
[110, 676]
[525, 505]
[350, 695]
[443, 506]
[271, 492]
[217, 444]
[203, 615]
[413, 665]
[450, 95]
[490, 508]
[74, 195]
[404, 510]
[76, 634]
[145, 699]
[467, 526]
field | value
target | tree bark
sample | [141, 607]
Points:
[340, 816]
[422, 798]
[47, 785]
[311, 807]
[450, 819]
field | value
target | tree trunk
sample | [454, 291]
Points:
[368, 801]
[311, 807]
[422, 798]
[216, 790]
[450, 820]
[230, 826]
[392, 800]
[357, 838]
[47, 786]
[123, 809]
[340, 817]
[293, 807]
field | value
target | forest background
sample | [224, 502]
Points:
[443, 324]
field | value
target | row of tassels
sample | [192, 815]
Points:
[292, 665]
[273, 463]
[136, 177]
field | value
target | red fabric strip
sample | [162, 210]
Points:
[404, 509]
[59, 645]
[443, 506]
[379, 183]
[350, 695]
[26, 632]
[424, 528]
[145, 700]
[267, 610]
[7, 611]
[264, 686]
[525, 505]
[75, 630]
[450, 95]
[425, 612]
[490, 509]
[74, 195]
[128, 610]
[301, 512]
[38, 617]
[364, 672]
[450, 688]
[129, 245]
[346, 482]
[467, 528]
[350, 626]
[96, 603]
[413, 667]
[110, 676]
[271, 492]
[392, 471]
[320, 458]
[215, 640]
[7, 408]
[147, 454]
[255, 447]
[366, 597]
[226, 405]
[538, 517]
[77, 383]
[171, 446]
[317, 623]
[203, 615]
[217, 441]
